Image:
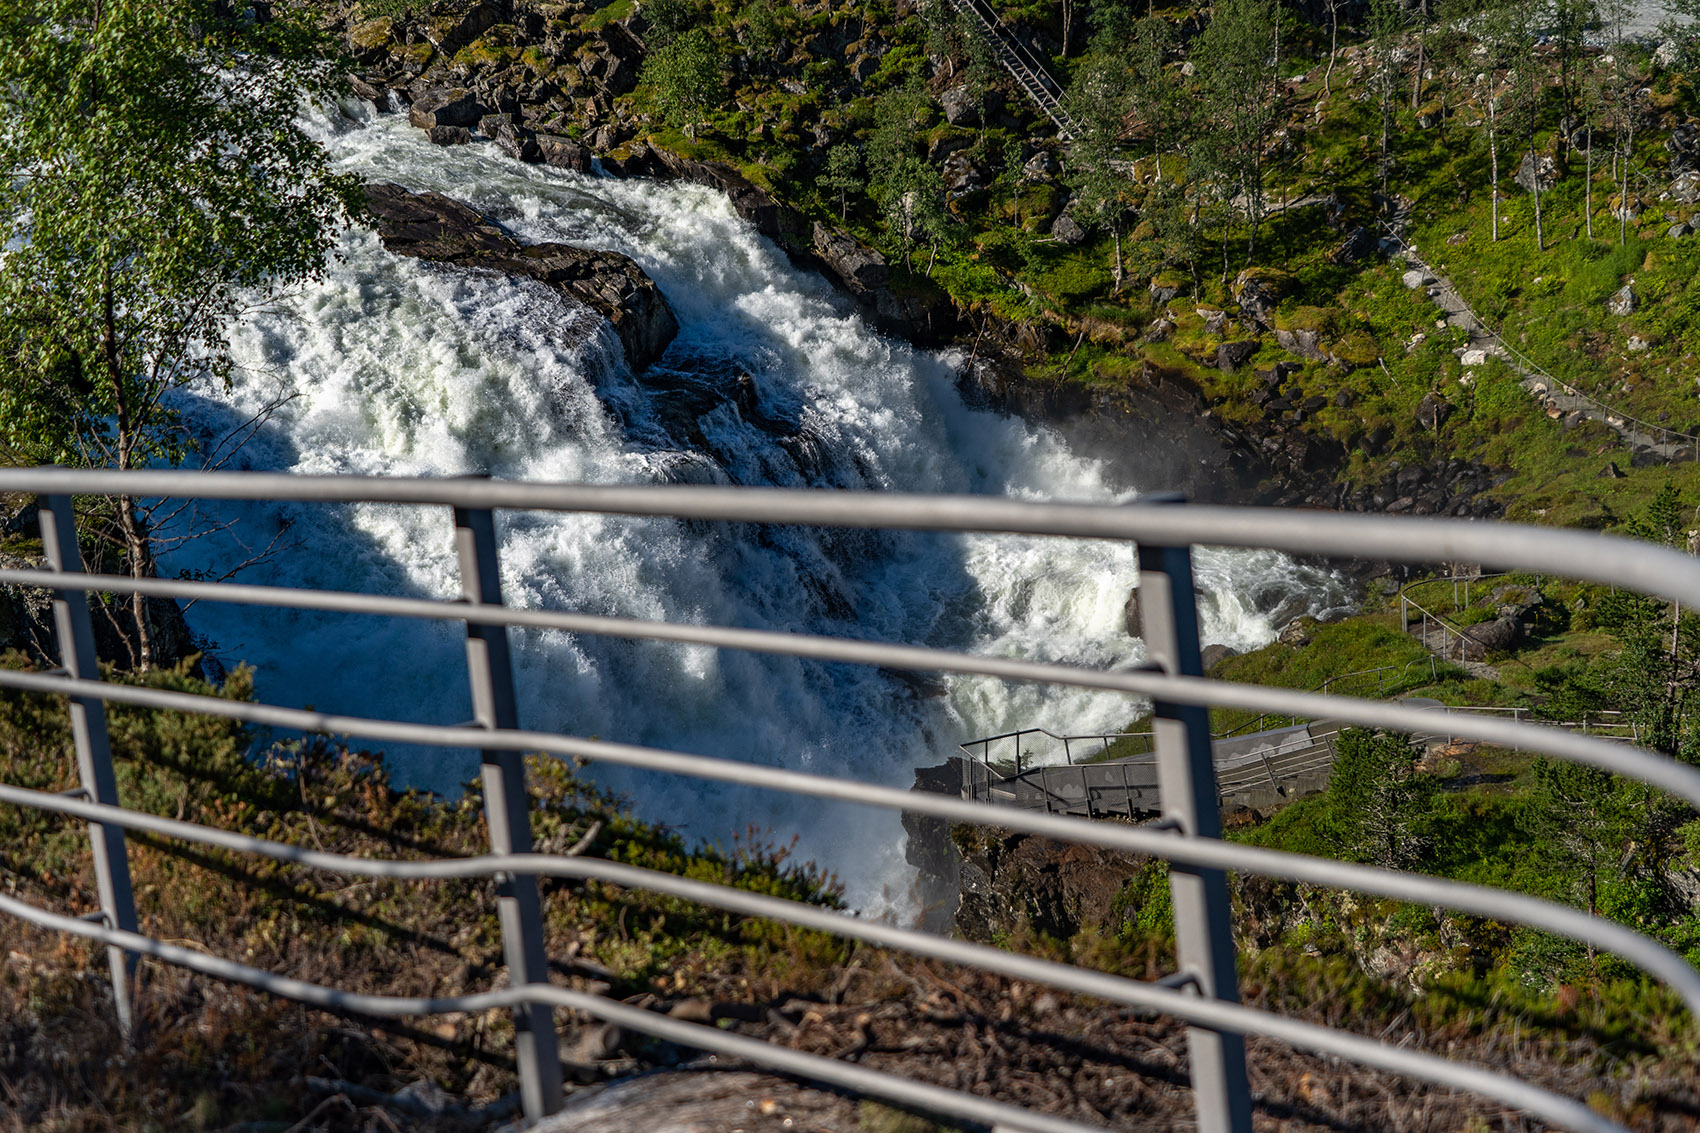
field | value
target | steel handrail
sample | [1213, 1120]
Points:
[1587, 555]
[1163, 531]
[1482, 900]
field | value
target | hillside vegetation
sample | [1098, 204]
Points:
[1225, 216]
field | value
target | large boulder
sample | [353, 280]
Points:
[1230, 356]
[1302, 342]
[1683, 145]
[1538, 172]
[1066, 230]
[1622, 301]
[1258, 290]
[961, 176]
[961, 108]
[1433, 411]
[859, 267]
[563, 153]
[430, 226]
[446, 106]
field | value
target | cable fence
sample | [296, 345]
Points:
[1202, 992]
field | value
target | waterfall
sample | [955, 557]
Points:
[393, 366]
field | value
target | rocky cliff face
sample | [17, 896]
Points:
[1014, 885]
[433, 227]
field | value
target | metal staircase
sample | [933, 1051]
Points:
[1029, 74]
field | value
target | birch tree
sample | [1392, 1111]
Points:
[153, 186]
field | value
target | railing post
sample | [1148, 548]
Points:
[507, 812]
[94, 750]
[1186, 779]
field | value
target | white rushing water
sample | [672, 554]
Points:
[400, 367]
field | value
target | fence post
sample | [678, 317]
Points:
[1186, 784]
[507, 812]
[94, 750]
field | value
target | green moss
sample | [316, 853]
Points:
[1325, 321]
[371, 34]
[613, 13]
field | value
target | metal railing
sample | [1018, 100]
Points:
[1453, 639]
[1203, 992]
[1387, 678]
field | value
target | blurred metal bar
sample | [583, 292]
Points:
[1506, 546]
[1517, 1094]
[94, 748]
[1186, 779]
[507, 811]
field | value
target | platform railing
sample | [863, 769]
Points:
[1202, 993]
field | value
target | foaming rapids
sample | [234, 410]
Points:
[391, 366]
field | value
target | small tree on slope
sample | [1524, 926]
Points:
[153, 185]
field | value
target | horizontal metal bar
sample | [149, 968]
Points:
[1657, 770]
[1599, 558]
[847, 1075]
[1680, 780]
[1155, 996]
[1480, 900]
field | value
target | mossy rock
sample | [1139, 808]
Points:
[371, 35]
[484, 53]
[1278, 282]
[537, 62]
[1324, 321]
[613, 13]
[413, 56]
[1356, 349]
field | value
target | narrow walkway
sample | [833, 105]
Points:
[1557, 395]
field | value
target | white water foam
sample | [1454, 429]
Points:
[405, 368]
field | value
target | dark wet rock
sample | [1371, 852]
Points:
[449, 135]
[430, 226]
[1213, 655]
[1433, 411]
[446, 106]
[563, 153]
[1230, 356]
[857, 265]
